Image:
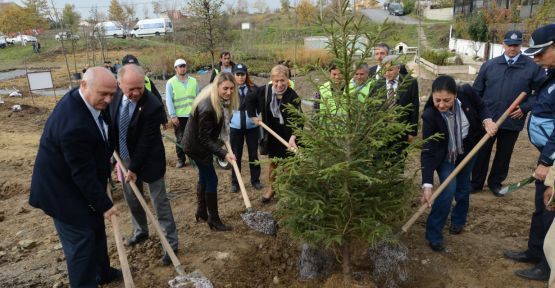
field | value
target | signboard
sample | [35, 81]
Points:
[245, 26]
[40, 80]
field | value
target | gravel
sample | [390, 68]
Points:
[389, 262]
[315, 263]
[261, 221]
[191, 280]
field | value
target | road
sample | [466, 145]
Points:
[379, 15]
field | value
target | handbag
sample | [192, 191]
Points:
[263, 135]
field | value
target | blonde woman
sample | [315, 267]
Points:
[209, 122]
[270, 102]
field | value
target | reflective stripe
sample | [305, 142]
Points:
[328, 101]
[183, 96]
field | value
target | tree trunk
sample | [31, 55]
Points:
[346, 264]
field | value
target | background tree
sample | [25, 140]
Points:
[260, 6]
[115, 12]
[345, 188]
[208, 25]
[478, 30]
[284, 7]
[16, 19]
[242, 7]
[130, 16]
[38, 7]
[70, 17]
[306, 12]
[156, 8]
[544, 15]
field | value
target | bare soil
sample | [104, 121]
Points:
[243, 257]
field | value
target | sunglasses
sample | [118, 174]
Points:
[240, 74]
[182, 66]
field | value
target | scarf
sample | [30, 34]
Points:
[224, 133]
[457, 128]
[274, 106]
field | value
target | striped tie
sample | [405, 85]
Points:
[123, 125]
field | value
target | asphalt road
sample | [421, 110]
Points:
[379, 15]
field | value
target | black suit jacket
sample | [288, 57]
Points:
[434, 152]
[144, 139]
[407, 94]
[72, 165]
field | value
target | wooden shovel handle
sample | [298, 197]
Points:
[463, 163]
[239, 179]
[126, 271]
[152, 218]
[279, 138]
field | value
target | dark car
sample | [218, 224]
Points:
[395, 9]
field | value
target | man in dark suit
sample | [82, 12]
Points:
[136, 114]
[401, 90]
[71, 174]
[380, 52]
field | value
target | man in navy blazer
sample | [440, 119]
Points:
[70, 177]
[136, 114]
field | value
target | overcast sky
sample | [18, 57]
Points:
[83, 7]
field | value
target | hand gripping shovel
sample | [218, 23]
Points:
[183, 278]
[463, 163]
[279, 138]
[260, 221]
[127, 278]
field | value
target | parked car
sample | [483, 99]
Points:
[110, 29]
[66, 35]
[21, 39]
[152, 27]
[395, 9]
[3, 42]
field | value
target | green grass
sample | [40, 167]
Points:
[437, 34]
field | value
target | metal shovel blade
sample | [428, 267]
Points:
[513, 187]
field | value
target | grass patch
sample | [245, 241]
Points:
[437, 34]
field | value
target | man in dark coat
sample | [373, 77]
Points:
[225, 65]
[136, 114]
[71, 174]
[380, 52]
[498, 83]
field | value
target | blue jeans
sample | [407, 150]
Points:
[459, 188]
[207, 177]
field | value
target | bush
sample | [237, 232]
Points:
[437, 57]
[409, 6]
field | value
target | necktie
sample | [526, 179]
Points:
[511, 61]
[123, 125]
[101, 123]
[242, 111]
[391, 90]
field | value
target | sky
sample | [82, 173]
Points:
[83, 7]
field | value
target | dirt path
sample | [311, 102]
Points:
[243, 258]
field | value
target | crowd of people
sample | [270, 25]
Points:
[118, 108]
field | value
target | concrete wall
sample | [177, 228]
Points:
[443, 14]
[452, 69]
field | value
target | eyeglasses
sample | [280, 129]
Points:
[182, 66]
[240, 74]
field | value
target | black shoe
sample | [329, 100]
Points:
[495, 191]
[534, 273]
[234, 188]
[166, 260]
[257, 185]
[520, 256]
[436, 247]
[180, 164]
[201, 204]
[136, 239]
[454, 230]
[113, 275]
[214, 221]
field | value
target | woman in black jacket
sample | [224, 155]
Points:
[457, 114]
[209, 122]
[270, 102]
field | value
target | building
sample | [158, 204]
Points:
[172, 14]
[466, 7]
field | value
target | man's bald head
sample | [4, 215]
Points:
[131, 81]
[98, 87]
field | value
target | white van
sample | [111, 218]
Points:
[111, 29]
[152, 27]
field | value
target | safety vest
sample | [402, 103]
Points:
[326, 96]
[148, 85]
[361, 92]
[183, 96]
[290, 84]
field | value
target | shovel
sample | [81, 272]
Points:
[513, 187]
[260, 221]
[127, 278]
[279, 138]
[463, 163]
[183, 277]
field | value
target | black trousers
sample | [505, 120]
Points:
[541, 221]
[237, 139]
[179, 131]
[505, 142]
[86, 252]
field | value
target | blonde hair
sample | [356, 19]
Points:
[279, 69]
[211, 91]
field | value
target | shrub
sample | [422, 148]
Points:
[438, 57]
